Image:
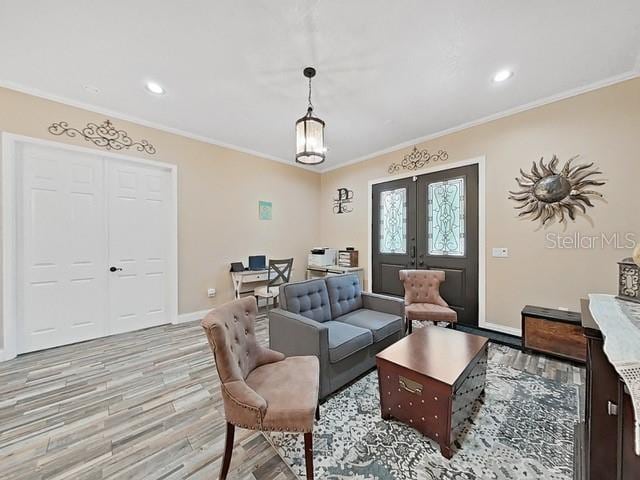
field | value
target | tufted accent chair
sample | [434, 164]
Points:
[256, 382]
[422, 297]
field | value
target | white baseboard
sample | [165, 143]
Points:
[501, 328]
[190, 317]
[6, 356]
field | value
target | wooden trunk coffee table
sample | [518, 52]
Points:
[431, 379]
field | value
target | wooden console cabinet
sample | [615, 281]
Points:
[609, 423]
[553, 332]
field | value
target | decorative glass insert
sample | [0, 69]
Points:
[393, 221]
[445, 217]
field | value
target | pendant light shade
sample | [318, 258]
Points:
[310, 148]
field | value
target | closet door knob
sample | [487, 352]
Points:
[115, 269]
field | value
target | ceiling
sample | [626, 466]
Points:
[388, 72]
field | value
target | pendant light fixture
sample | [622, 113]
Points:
[310, 149]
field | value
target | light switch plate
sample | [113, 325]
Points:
[500, 252]
[211, 292]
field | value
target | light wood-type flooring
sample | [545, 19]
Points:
[139, 405]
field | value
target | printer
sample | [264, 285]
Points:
[322, 257]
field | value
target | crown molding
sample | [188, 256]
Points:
[490, 118]
[146, 123]
[496, 116]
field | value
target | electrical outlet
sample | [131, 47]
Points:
[211, 292]
[500, 252]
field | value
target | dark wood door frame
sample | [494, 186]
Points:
[482, 266]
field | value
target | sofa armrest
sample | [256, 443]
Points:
[383, 303]
[294, 334]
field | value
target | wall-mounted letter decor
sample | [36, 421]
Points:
[547, 192]
[417, 159]
[104, 135]
[340, 204]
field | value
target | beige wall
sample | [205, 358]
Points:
[602, 126]
[219, 190]
[218, 198]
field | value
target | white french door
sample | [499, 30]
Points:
[138, 247]
[93, 246]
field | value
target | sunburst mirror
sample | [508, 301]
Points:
[547, 192]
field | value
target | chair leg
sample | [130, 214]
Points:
[318, 412]
[308, 454]
[228, 450]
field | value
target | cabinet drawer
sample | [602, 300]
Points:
[562, 339]
[258, 277]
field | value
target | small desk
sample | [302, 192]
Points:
[319, 272]
[248, 276]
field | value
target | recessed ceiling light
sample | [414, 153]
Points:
[502, 75]
[155, 88]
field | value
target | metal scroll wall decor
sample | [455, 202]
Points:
[417, 159]
[104, 135]
[342, 201]
[547, 192]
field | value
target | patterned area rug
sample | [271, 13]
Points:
[522, 429]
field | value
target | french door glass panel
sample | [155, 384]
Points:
[446, 217]
[393, 221]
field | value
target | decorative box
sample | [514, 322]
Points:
[629, 281]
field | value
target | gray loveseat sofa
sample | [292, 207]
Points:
[334, 320]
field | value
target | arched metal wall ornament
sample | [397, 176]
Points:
[547, 192]
[417, 159]
[104, 135]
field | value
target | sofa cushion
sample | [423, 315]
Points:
[309, 299]
[381, 324]
[344, 294]
[345, 340]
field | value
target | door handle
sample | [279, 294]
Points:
[413, 251]
[115, 269]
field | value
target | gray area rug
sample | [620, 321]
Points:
[522, 429]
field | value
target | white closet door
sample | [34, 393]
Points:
[62, 247]
[139, 231]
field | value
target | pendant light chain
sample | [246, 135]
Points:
[310, 104]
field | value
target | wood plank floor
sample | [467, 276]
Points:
[142, 405]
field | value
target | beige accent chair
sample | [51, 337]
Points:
[422, 298]
[257, 382]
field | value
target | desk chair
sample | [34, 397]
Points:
[422, 298]
[279, 273]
